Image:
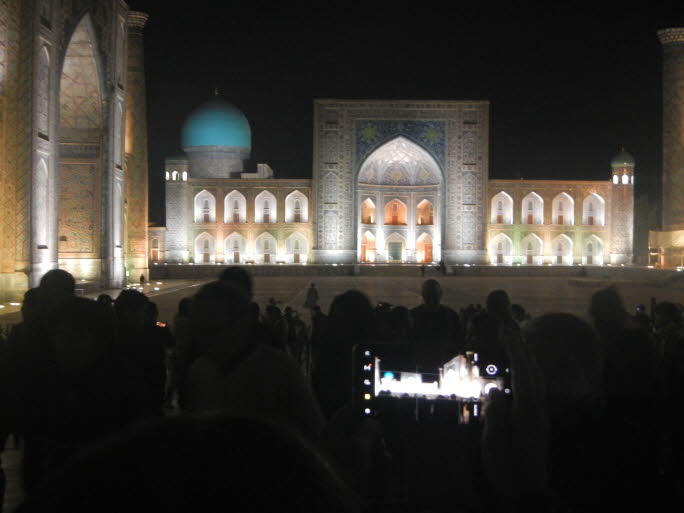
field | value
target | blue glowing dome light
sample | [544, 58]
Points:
[217, 123]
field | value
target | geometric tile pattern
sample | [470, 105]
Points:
[453, 134]
[35, 37]
[79, 208]
[136, 148]
[80, 98]
[673, 126]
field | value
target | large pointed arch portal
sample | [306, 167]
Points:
[80, 166]
[400, 173]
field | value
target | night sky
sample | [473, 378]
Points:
[566, 88]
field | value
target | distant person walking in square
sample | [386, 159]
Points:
[311, 297]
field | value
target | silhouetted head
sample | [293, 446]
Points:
[499, 304]
[185, 307]
[272, 314]
[220, 321]
[57, 285]
[569, 357]
[667, 313]
[607, 312]
[353, 314]
[432, 292]
[240, 279]
[237, 465]
[518, 313]
[83, 332]
[33, 306]
[132, 310]
[105, 299]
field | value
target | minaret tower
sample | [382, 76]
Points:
[136, 151]
[672, 40]
[622, 208]
[666, 246]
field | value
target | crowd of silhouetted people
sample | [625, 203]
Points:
[236, 407]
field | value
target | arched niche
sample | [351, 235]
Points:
[398, 184]
[43, 93]
[395, 248]
[235, 248]
[563, 209]
[205, 249]
[532, 209]
[396, 212]
[501, 209]
[531, 248]
[82, 180]
[424, 249]
[425, 213]
[400, 162]
[205, 207]
[368, 249]
[501, 249]
[561, 249]
[235, 208]
[41, 206]
[368, 214]
[297, 248]
[593, 210]
[296, 208]
[265, 249]
[265, 208]
[593, 251]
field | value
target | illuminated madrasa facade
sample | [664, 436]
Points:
[73, 143]
[393, 182]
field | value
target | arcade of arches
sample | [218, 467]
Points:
[399, 187]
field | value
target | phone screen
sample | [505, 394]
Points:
[385, 372]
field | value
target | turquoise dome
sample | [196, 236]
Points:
[217, 123]
[622, 159]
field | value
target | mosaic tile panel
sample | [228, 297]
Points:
[79, 201]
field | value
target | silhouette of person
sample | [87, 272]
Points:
[139, 345]
[57, 286]
[436, 327]
[238, 376]
[351, 321]
[106, 300]
[311, 297]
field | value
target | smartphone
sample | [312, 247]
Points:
[387, 372]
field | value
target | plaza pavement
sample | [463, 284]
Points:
[537, 294]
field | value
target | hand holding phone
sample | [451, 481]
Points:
[515, 437]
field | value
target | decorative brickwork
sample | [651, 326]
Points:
[235, 220]
[79, 202]
[673, 126]
[591, 236]
[453, 133]
[55, 59]
[136, 171]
